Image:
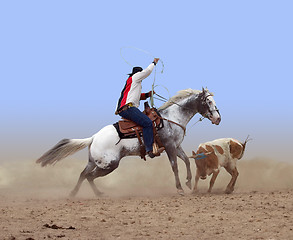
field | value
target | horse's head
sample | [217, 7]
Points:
[207, 107]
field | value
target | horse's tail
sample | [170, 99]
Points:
[63, 149]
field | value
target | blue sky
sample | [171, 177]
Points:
[61, 71]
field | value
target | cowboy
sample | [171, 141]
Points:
[128, 103]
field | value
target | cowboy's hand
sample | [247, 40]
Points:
[150, 93]
[156, 60]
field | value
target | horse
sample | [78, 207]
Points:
[106, 149]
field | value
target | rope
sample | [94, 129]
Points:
[141, 50]
[199, 120]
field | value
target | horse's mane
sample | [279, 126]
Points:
[180, 95]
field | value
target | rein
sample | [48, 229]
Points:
[163, 99]
[170, 121]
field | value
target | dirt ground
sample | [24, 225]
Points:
[140, 202]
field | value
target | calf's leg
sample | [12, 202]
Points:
[213, 179]
[234, 173]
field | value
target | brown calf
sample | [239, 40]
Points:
[211, 156]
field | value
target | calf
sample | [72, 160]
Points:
[211, 156]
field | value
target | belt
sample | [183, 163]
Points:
[125, 107]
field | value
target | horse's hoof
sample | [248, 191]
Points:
[194, 192]
[98, 194]
[188, 184]
[72, 194]
[180, 192]
[228, 191]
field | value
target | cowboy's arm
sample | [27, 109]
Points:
[146, 72]
[144, 96]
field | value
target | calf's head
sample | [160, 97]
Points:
[201, 164]
[206, 161]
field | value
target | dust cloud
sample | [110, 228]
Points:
[135, 177]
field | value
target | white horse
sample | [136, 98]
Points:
[106, 149]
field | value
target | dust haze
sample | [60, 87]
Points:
[140, 202]
[135, 177]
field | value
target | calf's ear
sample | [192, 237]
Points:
[193, 155]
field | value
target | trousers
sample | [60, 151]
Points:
[135, 115]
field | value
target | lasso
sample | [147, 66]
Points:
[160, 98]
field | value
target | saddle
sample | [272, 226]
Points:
[129, 129]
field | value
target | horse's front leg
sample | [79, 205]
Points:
[195, 190]
[181, 154]
[172, 155]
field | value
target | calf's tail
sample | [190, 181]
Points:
[244, 145]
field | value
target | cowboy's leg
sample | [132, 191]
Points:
[135, 115]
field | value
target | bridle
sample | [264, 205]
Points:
[206, 109]
[203, 104]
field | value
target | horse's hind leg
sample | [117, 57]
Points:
[100, 172]
[181, 154]
[89, 168]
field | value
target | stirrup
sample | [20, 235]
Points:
[151, 154]
[160, 150]
[157, 150]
